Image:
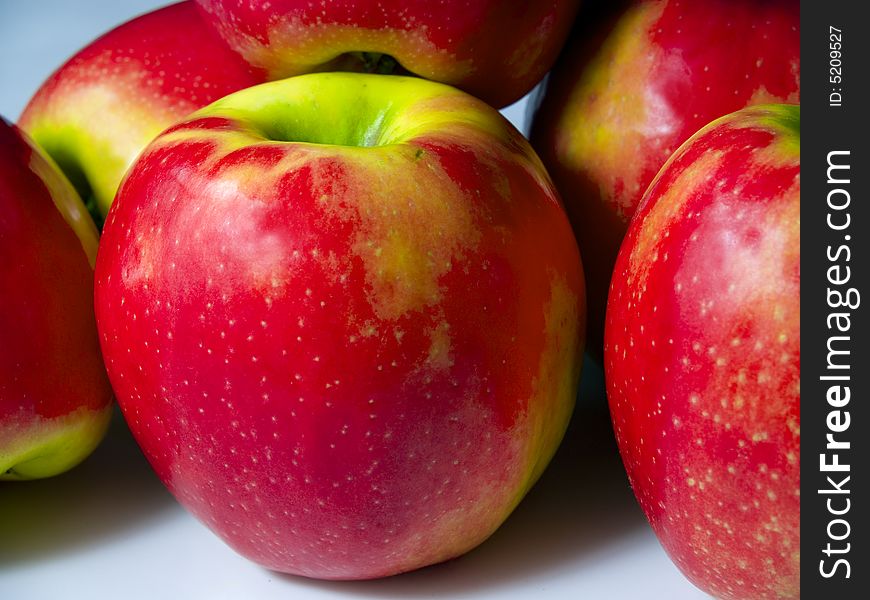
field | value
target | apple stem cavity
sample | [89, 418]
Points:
[382, 64]
[378, 63]
[296, 114]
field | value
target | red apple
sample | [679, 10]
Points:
[98, 111]
[55, 399]
[702, 355]
[343, 315]
[495, 49]
[632, 86]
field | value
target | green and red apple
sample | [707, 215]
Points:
[702, 355]
[101, 108]
[55, 399]
[495, 49]
[343, 315]
[634, 83]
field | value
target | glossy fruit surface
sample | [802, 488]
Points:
[343, 315]
[702, 355]
[97, 112]
[634, 83]
[55, 399]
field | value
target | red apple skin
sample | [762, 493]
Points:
[347, 362]
[634, 82]
[495, 49]
[702, 355]
[55, 398]
[101, 108]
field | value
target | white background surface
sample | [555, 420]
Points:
[109, 529]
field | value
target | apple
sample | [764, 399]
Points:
[495, 49]
[633, 84]
[343, 315]
[55, 399]
[702, 355]
[99, 110]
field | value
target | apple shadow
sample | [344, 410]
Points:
[581, 509]
[111, 494]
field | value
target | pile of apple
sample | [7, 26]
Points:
[341, 303]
